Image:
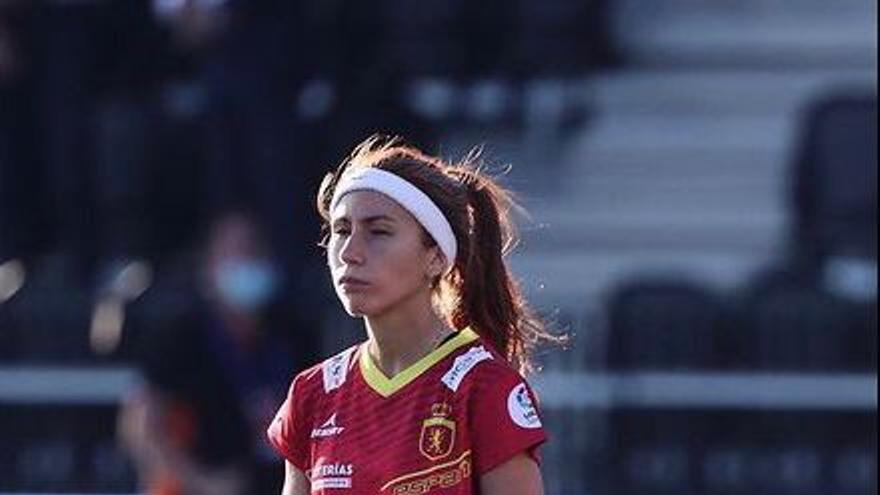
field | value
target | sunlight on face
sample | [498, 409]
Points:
[377, 254]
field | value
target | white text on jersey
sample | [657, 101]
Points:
[328, 429]
[463, 364]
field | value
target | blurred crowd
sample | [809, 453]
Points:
[126, 123]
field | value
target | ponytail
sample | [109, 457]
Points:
[489, 298]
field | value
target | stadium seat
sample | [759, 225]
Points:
[725, 469]
[53, 326]
[835, 180]
[817, 309]
[787, 451]
[109, 468]
[799, 326]
[62, 448]
[664, 325]
[854, 471]
[655, 452]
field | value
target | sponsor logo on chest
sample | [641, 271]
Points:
[446, 475]
[335, 469]
[331, 475]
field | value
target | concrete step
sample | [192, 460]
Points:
[689, 204]
[697, 219]
[677, 199]
[731, 93]
[678, 188]
[660, 186]
[749, 7]
[672, 167]
[768, 41]
[723, 190]
[628, 134]
[560, 231]
[572, 278]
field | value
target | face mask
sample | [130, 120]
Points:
[246, 285]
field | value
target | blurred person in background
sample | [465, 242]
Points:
[212, 378]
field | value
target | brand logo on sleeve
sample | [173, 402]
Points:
[328, 429]
[463, 364]
[335, 370]
[521, 409]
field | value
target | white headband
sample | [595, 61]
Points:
[410, 197]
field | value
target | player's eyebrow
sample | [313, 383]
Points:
[345, 220]
[377, 218]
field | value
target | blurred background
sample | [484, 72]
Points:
[700, 174]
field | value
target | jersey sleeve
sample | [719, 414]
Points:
[505, 419]
[286, 433]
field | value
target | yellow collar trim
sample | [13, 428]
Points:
[386, 387]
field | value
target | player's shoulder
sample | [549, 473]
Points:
[477, 363]
[327, 375]
[484, 379]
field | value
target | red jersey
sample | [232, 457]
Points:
[434, 428]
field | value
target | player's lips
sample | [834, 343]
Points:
[352, 283]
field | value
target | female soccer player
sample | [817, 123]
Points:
[433, 401]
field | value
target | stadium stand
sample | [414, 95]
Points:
[702, 220]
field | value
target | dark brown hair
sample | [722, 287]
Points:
[479, 291]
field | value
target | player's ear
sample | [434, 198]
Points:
[436, 262]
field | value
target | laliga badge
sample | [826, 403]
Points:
[438, 433]
[521, 409]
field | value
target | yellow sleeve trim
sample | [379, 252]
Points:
[385, 386]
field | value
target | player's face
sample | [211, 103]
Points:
[377, 254]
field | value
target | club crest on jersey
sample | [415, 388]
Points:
[438, 433]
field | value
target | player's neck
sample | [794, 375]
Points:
[401, 338]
